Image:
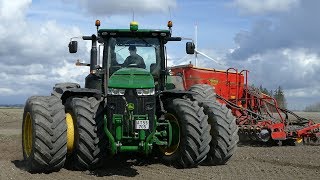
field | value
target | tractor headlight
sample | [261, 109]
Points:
[145, 92]
[114, 91]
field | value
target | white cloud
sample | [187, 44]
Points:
[16, 9]
[264, 6]
[112, 7]
[34, 56]
[33, 51]
[6, 91]
[284, 50]
[294, 69]
[298, 29]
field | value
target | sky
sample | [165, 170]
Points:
[277, 41]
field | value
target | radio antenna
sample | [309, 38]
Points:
[196, 43]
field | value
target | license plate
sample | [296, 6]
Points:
[142, 124]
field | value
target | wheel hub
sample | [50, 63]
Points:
[70, 132]
[175, 142]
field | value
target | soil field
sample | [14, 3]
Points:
[249, 162]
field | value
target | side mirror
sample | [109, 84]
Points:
[73, 46]
[190, 47]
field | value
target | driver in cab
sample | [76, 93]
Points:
[134, 58]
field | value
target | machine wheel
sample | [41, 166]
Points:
[203, 91]
[86, 140]
[224, 130]
[190, 134]
[44, 134]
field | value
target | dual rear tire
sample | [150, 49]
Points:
[54, 135]
[191, 134]
[44, 134]
[224, 130]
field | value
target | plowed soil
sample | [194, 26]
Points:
[249, 162]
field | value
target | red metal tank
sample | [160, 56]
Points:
[229, 84]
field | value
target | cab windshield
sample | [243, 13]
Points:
[128, 52]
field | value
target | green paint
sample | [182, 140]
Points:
[131, 78]
[170, 133]
[145, 143]
[112, 143]
[150, 138]
[142, 135]
[130, 106]
[129, 148]
[117, 121]
[133, 27]
[174, 133]
[166, 137]
[145, 31]
[158, 142]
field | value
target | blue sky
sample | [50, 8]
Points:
[276, 40]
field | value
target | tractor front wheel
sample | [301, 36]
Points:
[190, 134]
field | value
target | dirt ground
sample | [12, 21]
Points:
[249, 162]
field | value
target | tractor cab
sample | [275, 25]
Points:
[129, 49]
[136, 52]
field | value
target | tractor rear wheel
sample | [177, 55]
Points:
[87, 142]
[190, 134]
[44, 134]
[224, 130]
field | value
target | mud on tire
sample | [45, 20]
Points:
[44, 134]
[90, 141]
[194, 133]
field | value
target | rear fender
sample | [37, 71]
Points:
[59, 88]
[80, 92]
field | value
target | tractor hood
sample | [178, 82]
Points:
[131, 78]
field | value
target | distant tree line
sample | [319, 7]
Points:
[11, 105]
[313, 107]
[277, 94]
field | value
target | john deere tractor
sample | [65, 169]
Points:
[127, 105]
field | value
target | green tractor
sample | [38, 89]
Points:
[128, 105]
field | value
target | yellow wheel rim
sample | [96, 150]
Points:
[176, 136]
[27, 134]
[299, 140]
[70, 133]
